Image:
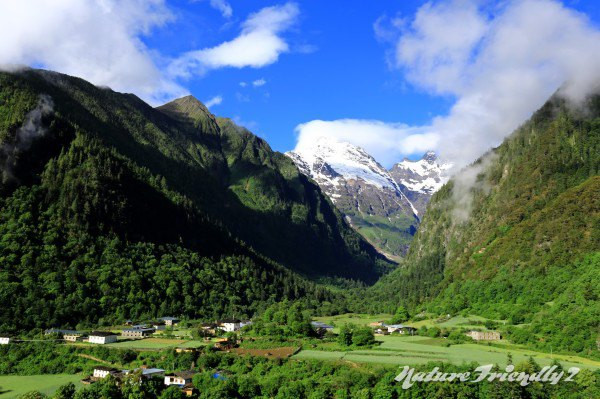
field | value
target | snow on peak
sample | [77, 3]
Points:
[426, 175]
[329, 159]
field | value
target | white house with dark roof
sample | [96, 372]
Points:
[102, 337]
[137, 332]
[147, 372]
[180, 378]
[230, 325]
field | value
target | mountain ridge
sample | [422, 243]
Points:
[377, 202]
[114, 196]
[516, 235]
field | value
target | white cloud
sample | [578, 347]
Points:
[98, 40]
[259, 82]
[243, 84]
[223, 6]
[259, 44]
[216, 100]
[384, 141]
[102, 41]
[499, 64]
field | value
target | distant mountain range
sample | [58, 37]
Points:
[385, 206]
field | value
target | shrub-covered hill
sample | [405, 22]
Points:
[517, 234]
[112, 209]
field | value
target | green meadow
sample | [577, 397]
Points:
[156, 344]
[414, 350]
[12, 386]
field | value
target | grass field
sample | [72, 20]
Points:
[419, 350]
[365, 319]
[12, 386]
[354, 318]
[156, 344]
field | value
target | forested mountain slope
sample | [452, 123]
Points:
[111, 209]
[517, 234]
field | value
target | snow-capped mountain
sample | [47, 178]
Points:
[362, 189]
[377, 202]
[418, 180]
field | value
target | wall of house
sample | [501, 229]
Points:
[103, 340]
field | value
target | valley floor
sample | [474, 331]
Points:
[399, 350]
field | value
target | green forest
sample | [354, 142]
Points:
[113, 210]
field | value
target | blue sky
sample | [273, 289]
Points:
[395, 77]
[344, 75]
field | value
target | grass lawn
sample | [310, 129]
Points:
[156, 343]
[12, 386]
[419, 350]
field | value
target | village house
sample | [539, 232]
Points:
[186, 350]
[229, 325]
[139, 326]
[151, 372]
[408, 330]
[225, 344]
[209, 328]
[60, 332]
[180, 378]
[75, 336]
[189, 390]
[102, 337]
[4, 340]
[101, 372]
[392, 328]
[159, 326]
[484, 335]
[400, 329]
[382, 331]
[321, 328]
[376, 324]
[137, 332]
[169, 321]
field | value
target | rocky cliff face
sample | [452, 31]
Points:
[418, 180]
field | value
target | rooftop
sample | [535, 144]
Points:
[184, 374]
[101, 334]
[229, 321]
[319, 324]
[60, 331]
[138, 329]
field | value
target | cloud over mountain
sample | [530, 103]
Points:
[103, 41]
[498, 63]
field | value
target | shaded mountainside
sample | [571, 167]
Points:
[517, 234]
[112, 209]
